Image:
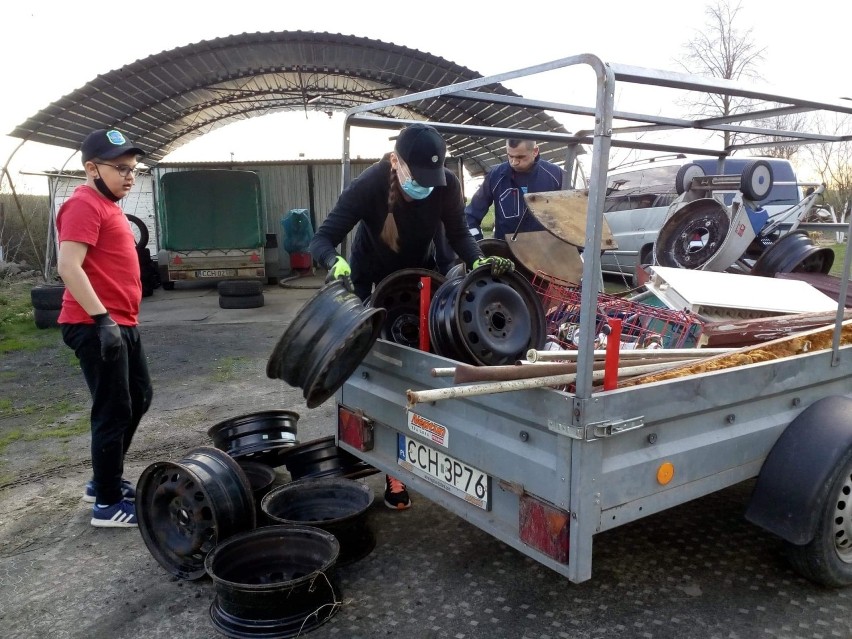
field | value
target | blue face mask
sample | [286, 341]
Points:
[416, 192]
[411, 188]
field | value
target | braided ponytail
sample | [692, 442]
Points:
[390, 234]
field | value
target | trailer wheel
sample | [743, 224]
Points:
[827, 559]
[140, 230]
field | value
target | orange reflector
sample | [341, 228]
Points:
[665, 473]
[544, 527]
[354, 428]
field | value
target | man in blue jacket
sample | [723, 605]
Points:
[505, 186]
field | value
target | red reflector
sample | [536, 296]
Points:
[544, 527]
[354, 429]
[254, 257]
[176, 260]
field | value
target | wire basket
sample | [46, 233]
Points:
[643, 326]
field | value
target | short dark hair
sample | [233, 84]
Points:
[515, 143]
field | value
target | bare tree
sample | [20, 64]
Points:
[721, 50]
[833, 162]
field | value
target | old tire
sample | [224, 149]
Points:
[242, 301]
[47, 297]
[140, 230]
[827, 559]
[240, 288]
[46, 318]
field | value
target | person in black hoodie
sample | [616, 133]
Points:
[401, 203]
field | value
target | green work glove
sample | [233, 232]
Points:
[499, 265]
[340, 270]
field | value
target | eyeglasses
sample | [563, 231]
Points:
[123, 169]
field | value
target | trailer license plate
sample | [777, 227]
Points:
[444, 471]
[222, 272]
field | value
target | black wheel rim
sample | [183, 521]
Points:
[185, 508]
[442, 335]
[274, 582]
[693, 235]
[261, 477]
[334, 504]
[334, 332]
[260, 437]
[794, 253]
[399, 295]
[486, 319]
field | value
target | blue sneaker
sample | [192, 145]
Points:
[120, 515]
[128, 492]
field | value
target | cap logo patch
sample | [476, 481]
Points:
[115, 137]
[434, 159]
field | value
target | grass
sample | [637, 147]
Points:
[49, 424]
[839, 257]
[18, 331]
[230, 368]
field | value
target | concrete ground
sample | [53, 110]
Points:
[696, 571]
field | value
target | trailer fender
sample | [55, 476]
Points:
[795, 477]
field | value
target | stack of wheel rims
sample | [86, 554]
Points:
[240, 294]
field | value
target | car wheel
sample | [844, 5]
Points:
[47, 297]
[46, 318]
[239, 288]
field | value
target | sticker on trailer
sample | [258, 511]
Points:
[432, 431]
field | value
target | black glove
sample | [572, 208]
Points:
[109, 335]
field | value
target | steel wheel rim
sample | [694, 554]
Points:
[441, 326]
[333, 331]
[334, 504]
[842, 530]
[794, 253]
[399, 295]
[185, 508]
[674, 246]
[261, 437]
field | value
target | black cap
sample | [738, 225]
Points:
[107, 144]
[423, 150]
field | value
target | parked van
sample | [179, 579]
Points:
[639, 195]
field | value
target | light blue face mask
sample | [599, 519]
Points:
[415, 191]
[411, 188]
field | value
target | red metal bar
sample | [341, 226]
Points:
[425, 301]
[613, 346]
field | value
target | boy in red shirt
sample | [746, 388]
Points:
[98, 263]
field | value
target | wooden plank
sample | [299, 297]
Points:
[563, 213]
[739, 333]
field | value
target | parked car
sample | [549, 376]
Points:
[639, 195]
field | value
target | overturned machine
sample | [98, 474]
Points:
[702, 232]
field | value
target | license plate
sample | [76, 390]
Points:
[222, 272]
[443, 471]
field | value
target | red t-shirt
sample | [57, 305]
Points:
[111, 262]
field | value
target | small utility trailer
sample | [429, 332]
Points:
[545, 470]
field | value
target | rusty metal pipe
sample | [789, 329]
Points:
[550, 356]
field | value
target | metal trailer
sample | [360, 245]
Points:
[543, 470]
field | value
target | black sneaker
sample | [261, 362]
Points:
[396, 496]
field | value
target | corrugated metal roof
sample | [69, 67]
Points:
[168, 99]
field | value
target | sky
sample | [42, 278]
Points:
[51, 48]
